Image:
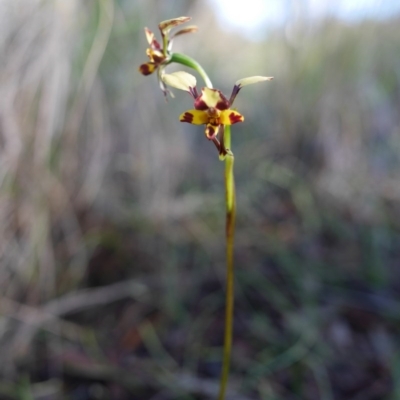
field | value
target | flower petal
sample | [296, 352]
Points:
[246, 81]
[152, 41]
[252, 79]
[155, 56]
[195, 117]
[166, 26]
[230, 117]
[188, 29]
[180, 80]
[211, 98]
[211, 131]
[148, 68]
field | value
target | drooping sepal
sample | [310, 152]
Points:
[147, 68]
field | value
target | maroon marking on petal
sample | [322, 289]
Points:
[193, 92]
[187, 117]
[155, 45]
[200, 104]
[158, 59]
[210, 132]
[224, 104]
[234, 118]
[235, 91]
[145, 69]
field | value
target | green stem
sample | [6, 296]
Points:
[230, 200]
[230, 231]
[191, 63]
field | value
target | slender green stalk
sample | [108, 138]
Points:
[230, 200]
[191, 63]
[230, 230]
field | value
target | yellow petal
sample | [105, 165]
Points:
[211, 131]
[180, 80]
[195, 117]
[148, 68]
[230, 117]
[252, 79]
[166, 26]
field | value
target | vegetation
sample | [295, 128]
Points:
[111, 253]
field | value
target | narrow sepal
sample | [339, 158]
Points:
[151, 40]
[246, 81]
[166, 26]
[188, 29]
[252, 79]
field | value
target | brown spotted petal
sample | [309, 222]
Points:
[188, 29]
[195, 117]
[211, 131]
[230, 117]
[166, 26]
[148, 68]
[155, 56]
[211, 98]
[152, 41]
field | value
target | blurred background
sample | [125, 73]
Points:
[112, 248]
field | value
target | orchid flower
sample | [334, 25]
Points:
[160, 55]
[211, 107]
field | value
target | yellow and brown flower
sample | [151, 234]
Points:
[159, 55]
[211, 107]
[154, 52]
